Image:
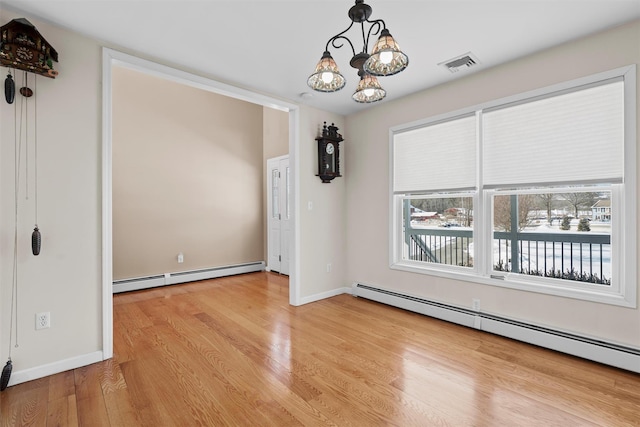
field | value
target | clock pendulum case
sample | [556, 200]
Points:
[329, 153]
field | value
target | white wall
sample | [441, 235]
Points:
[368, 183]
[323, 228]
[65, 279]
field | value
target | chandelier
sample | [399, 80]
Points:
[385, 59]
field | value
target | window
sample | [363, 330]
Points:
[533, 192]
[439, 229]
[551, 235]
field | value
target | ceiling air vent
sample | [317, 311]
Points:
[461, 62]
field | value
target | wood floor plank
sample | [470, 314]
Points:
[275, 385]
[91, 406]
[285, 372]
[148, 400]
[61, 385]
[26, 405]
[189, 374]
[63, 412]
[232, 351]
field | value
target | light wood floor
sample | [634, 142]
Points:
[232, 351]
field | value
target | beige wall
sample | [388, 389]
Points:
[65, 279]
[368, 183]
[187, 177]
[275, 133]
[275, 138]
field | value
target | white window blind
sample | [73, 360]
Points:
[436, 157]
[576, 136]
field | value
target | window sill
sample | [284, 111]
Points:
[511, 282]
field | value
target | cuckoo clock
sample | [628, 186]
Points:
[329, 153]
[23, 48]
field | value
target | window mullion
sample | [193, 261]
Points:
[480, 217]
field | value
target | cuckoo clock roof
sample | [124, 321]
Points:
[23, 25]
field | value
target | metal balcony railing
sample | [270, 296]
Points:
[443, 246]
[582, 257]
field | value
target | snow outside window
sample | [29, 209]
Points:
[511, 193]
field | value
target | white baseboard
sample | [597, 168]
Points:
[324, 295]
[42, 371]
[585, 347]
[588, 349]
[137, 283]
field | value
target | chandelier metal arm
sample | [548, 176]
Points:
[374, 30]
[340, 35]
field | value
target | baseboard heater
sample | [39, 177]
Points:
[587, 348]
[126, 285]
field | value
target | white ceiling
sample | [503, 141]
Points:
[272, 46]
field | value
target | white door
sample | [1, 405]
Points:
[278, 214]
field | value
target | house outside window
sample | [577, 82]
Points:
[602, 211]
[521, 192]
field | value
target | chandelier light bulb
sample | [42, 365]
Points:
[327, 77]
[369, 92]
[386, 57]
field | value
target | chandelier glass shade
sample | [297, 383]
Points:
[326, 77]
[385, 59]
[369, 90]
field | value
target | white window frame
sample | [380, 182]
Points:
[418, 266]
[623, 290]
[531, 282]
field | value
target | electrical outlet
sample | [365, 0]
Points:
[329, 268]
[180, 258]
[43, 320]
[475, 304]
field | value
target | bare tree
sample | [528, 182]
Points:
[547, 202]
[467, 206]
[580, 200]
[526, 203]
[502, 211]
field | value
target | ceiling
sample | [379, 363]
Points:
[271, 47]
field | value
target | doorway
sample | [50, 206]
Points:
[111, 58]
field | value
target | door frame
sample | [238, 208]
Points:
[112, 58]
